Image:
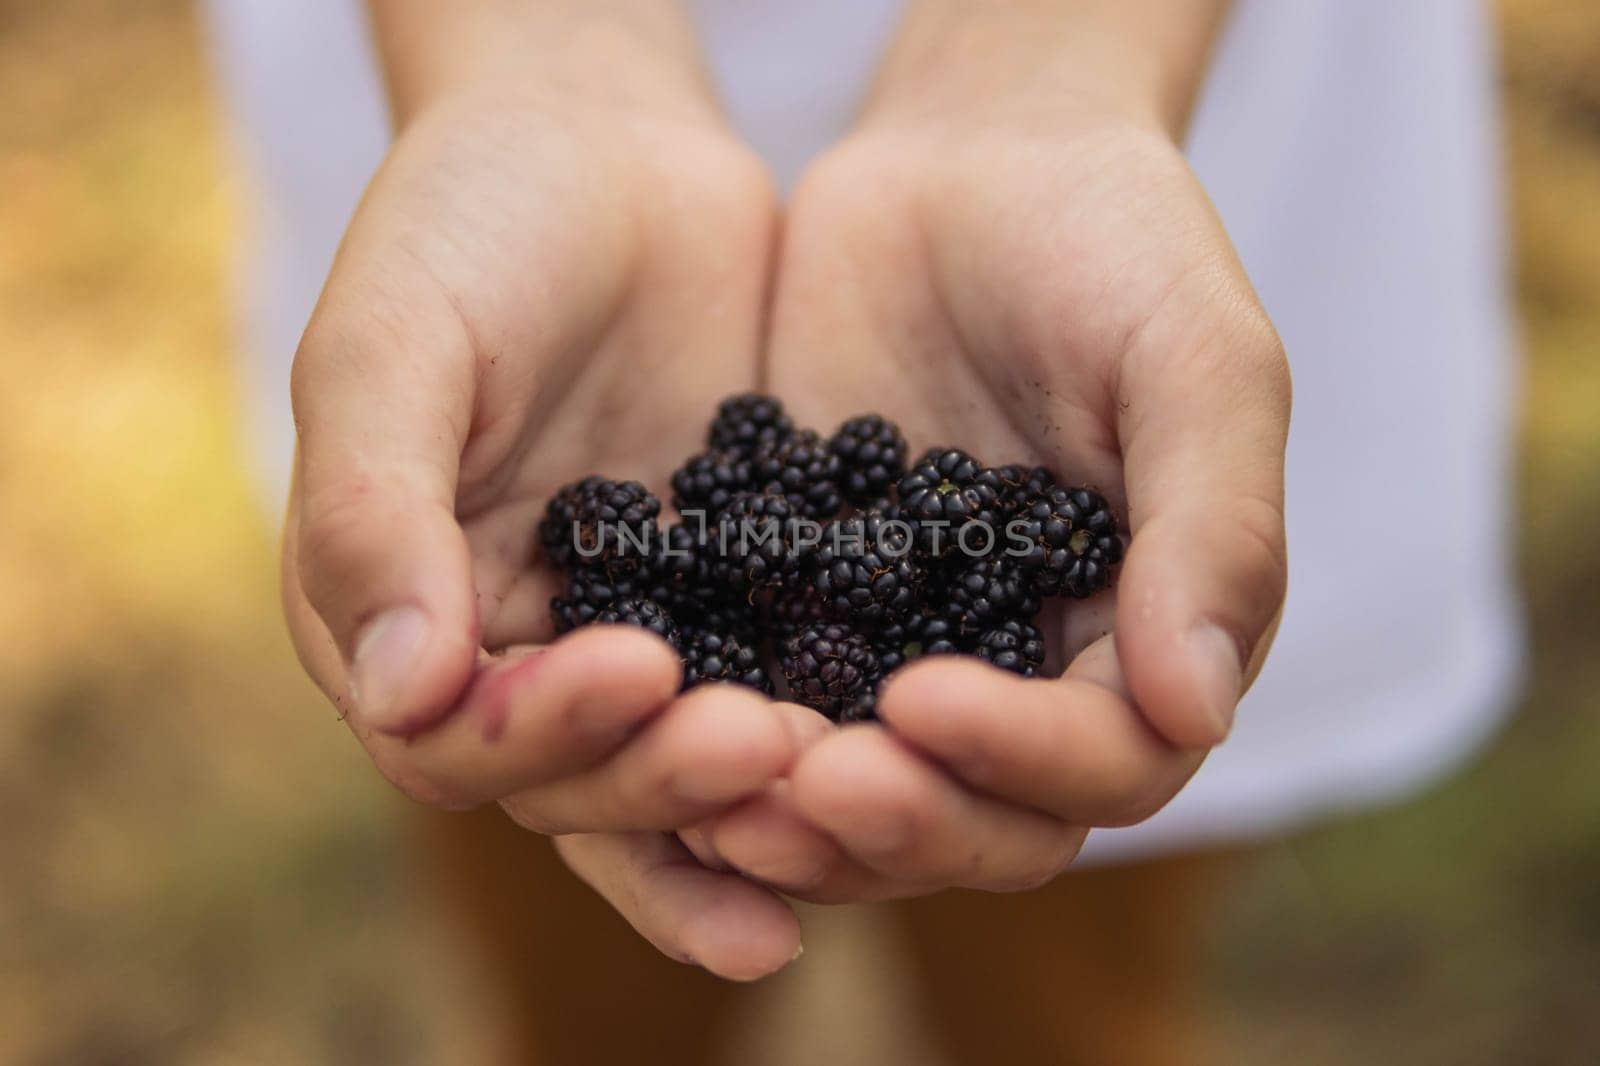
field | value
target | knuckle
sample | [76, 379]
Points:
[337, 521]
[1260, 352]
[1264, 542]
[845, 188]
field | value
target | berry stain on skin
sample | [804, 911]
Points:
[489, 695]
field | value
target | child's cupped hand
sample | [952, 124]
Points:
[1049, 286]
[533, 290]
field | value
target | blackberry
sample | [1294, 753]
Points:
[829, 667]
[1015, 646]
[754, 544]
[803, 467]
[613, 527]
[1075, 543]
[864, 572]
[745, 421]
[947, 491]
[926, 633]
[590, 592]
[872, 458]
[864, 709]
[790, 610]
[1019, 484]
[556, 530]
[708, 481]
[679, 575]
[646, 614]
[982, 593]
[710, 657]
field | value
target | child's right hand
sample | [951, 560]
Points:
[513, 308]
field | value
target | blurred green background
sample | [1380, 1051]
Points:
[196, 865]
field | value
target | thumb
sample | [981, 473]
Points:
[1203, 431]
[382, 402]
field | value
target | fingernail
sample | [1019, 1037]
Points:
[1219, 676]
[799, 951]
[386, 653]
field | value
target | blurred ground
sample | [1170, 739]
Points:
[195, 864]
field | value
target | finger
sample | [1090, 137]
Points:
[1203, 435]
[710, 749]
[733, 928]
[534, 717]
[902, 817]
[382, 388]
[768, 840]
[1075, 748]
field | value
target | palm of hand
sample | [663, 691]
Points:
[554, 321]
[1057, 299]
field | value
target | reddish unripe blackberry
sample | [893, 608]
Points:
[745, 421]
[829, 667]
[708, 481]
[864, 573]
[947, 491]
[1015, 646]
[803, 467]
[872, 457]
[1074, 543]
[646, 614]
[710, 657]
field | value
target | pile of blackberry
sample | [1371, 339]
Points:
[816, 566]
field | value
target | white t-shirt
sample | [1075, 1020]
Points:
[1351, 147]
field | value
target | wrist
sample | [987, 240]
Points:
[1140, 61]
[638, 55]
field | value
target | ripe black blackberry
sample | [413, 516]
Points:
[803, 467]
[745, 421]
[1014, 645]
[945, 493]
[829, 667]
[928, 632]
[608, 525]
[872, 457]
[1019, 484]
[710, 657]
[789, 611]
[709, 480]
[864, 573]
[978, 594]
[646, 614]
[1075, 543]
[864, 709]
[754, 544]
[679, 574]
[557, 530]
[590, 592]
